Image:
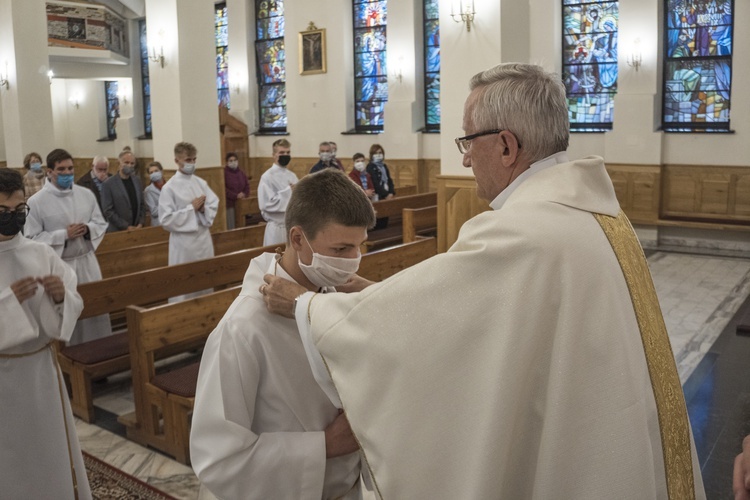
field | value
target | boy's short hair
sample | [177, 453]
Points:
[154, 164]
[10, 181]
[358, 156]
[281, 143]
[325, 197]
[185, 148]
[56, 156]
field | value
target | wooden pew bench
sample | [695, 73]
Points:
[85, 362]
[247, 212]
[393, 208]
[151, 256]
[121, 240]
[418, 222]
[164, 402]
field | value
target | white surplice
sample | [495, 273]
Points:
[34, 448]
[511, 366]
[52, 210]
[259, 417]
[189, 230]
[274, 192]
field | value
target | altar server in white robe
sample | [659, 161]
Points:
[531, 359]
[39, 452]
[274, 191]
[187, 209]
[67, 217]
[262, 427]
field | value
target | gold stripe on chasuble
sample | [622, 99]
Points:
[670, 402]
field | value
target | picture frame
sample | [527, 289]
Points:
[312, 51]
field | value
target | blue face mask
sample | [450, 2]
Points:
[36, 166]
[64, 181]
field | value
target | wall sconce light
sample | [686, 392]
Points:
[153, 56]
[635, 59]
[4, 78]
[398, 72]
[50, 74]
[75, 101]
[236, 86]
[122, 97]
[465, 12]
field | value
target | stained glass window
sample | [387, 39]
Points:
[222, 63]
[370, 72]
[113, 108]
[271, 68]
[590, 63]
[697, 65]
[145, 86]
[431, 65]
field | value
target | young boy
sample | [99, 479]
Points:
[262, 427]
[41, 457]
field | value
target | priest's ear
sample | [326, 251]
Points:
[511, 148]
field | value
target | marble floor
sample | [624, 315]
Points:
[699, 295]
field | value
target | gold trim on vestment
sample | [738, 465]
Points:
[670, 401]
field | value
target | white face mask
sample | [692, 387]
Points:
[325, 157]
[360, 166]
[377, 158]
[329, 271]
[188, 168]
[233, 165]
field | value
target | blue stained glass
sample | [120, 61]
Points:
[432, 64]
[222, 54]
[273, 96]
[272, 27]
[590, 40]
[372, 39]
[371, 64]
[222, 35]
[371, 88]
[113, 108]
[271, 60]
[370, 115]
[432, 86]
[432, 33]
[145, 85]
[432, 56]
[698, 65]
[271, 64]
[368, 14]
[431, 9]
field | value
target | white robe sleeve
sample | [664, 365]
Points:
[16, 327]
[271, 201]
[34, 229]
[319, 370]
[228, 457]
[58, 321]
[96, 223]
[173, 218]
[210, 208]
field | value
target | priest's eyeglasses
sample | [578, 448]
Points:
[464, 143]
[6, 215]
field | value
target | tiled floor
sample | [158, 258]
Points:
[699, 294]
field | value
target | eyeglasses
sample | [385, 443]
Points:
[6, 215]
[464, 143]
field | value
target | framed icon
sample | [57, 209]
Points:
[312, 51]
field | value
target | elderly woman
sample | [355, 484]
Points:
[34, 179]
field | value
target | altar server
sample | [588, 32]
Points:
[274, 191]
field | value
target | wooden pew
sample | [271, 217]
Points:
[245, 207]
[135, 259]
[406, 190]
[162, 416]
[393, 208]
[137, 237]
[418, 221]
[104, 357]
[164, 402]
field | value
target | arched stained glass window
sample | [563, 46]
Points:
[222, 61]
[432, 65]
[145, 85]
[590, 63]
[271, 68]
[113, 108]
[370, 72]
[697, 65]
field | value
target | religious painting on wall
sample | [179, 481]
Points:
[271, 65]
[697, 65]
[370, 71]
[590, 44]
[312, 49]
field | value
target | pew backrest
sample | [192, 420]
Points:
[244, 207]
[393, 206]
[406, 190]
[381, 264]
[120, 240]
[414, 220]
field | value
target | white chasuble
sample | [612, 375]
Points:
[274, 193]
[511, 366]
[52, 210]
[39, 450]
[257, 430]
[189, 230]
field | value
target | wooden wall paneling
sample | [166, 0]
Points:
[457, 203]
[742, 195]
[637, 188]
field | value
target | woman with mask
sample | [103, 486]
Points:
[153, 191]
[360, 176]
[381, 177]
[236, 185]
[34, 179]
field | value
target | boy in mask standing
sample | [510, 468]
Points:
[187, 209]
[67, 217]
[262, 427]
[274, 191]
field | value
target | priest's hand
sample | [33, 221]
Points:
[339, 437]
[25, 288]
[741, 481]
[355, 284]
[54, 287]
[279, 295]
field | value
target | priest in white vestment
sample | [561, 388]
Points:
[187, 209]
[67, 217]
[39, 452]
[530, 361]
[262, 427]
[274, 191]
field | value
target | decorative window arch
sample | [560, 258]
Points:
[431, 65]
[370, 71]
[271, 65]
[589, 62]
[697, 65]
[222, 53]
